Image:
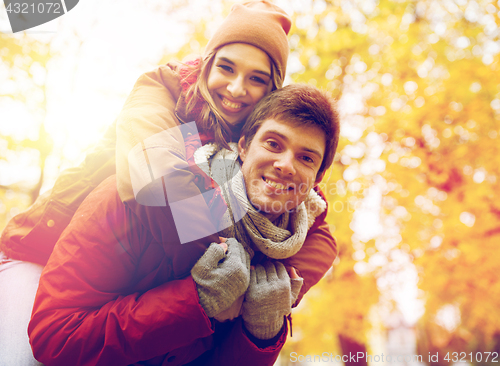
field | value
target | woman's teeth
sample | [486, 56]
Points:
[231, 104]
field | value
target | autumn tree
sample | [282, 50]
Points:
[417, 83]
[24, 143]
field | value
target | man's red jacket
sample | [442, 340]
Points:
[111, 295]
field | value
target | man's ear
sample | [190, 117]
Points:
[242, 152]
[319, 178]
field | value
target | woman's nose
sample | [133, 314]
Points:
[237, 87]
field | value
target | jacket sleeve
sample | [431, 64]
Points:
[236, 348]
[151, 166]
[317, 254]
[31, 235]
[123, 331]
[96, 306]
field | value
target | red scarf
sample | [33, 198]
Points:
[188, 78]
[193, 142]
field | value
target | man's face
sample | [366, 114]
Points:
[280, 165]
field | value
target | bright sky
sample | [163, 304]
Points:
[102, 48]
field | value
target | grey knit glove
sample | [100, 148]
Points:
[296, 285]
[221, 277]
[268, 299]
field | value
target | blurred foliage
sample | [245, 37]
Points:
[30, 159]
[24, 144]
[421, 82]
[412, 191]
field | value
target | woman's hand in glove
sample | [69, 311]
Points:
[221, 277]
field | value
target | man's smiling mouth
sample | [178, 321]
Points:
[276, 184]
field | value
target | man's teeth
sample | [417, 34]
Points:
[231, 104]
[275, 184]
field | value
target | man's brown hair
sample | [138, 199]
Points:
[301, 105]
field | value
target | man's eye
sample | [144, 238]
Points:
[273, 144]
[308, 159]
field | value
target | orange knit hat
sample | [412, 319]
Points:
[260, 24]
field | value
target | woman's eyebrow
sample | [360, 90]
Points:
[225, 59]
[263, 73]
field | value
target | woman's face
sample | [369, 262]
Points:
[240, 76]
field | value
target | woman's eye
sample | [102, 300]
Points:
[308, 159]
[225, 68]
[259, 80]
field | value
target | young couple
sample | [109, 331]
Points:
[128, 282]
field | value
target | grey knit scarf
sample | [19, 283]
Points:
[279, 239]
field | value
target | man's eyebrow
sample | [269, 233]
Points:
[284, 137]
[225, 59]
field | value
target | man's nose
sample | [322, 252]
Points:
[285, 164]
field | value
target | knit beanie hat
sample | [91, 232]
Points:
[260, 24]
